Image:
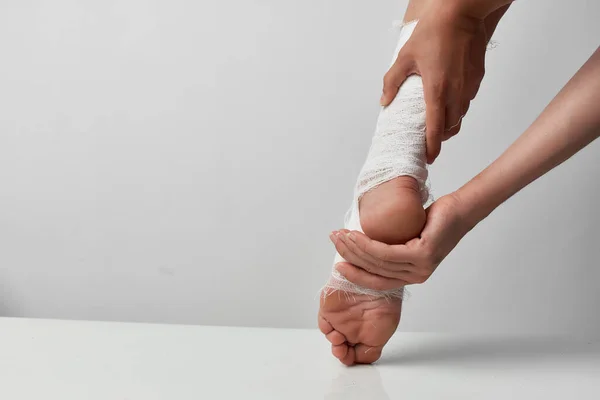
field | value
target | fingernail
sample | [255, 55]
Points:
[332, 237]
[350, 236]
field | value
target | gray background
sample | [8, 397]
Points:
[184, 161]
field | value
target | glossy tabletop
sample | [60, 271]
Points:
[76, 360]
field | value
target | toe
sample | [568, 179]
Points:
[339, 351]
[367, 354]
[336, 338]
[350, 357]
[324, 326]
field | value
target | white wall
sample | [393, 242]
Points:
[184, 162]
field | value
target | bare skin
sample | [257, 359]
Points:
[359, 326]
[568, 124]
[447, 50]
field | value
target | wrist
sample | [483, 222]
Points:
[477, 201]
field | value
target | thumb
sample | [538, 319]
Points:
[393, 79]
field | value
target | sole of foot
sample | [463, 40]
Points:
[358, 326]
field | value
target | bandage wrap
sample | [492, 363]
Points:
[397, 149]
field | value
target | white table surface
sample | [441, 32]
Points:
[52, 359]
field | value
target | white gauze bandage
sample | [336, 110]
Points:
[397, 149]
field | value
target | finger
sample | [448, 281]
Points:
[363, 278]
[435, 90]
[452, 132]
[475, 73]
[454, 109]
[466, 105]
[340, 351]
[350, 256]
[453, 119]
[473, 84]
[403, 275]
[350, 357]
[417, 279]
[387, 253]
[435, 116]
[386, 257]
[372, 265]
[394, 78]
[377, 266]
[465, 108]
[367, 354]
[454, 106]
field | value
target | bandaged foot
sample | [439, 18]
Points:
[387, 206]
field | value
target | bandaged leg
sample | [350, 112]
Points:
[392, 185]
[387, 206]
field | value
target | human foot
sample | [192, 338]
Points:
[358, 326]
[388, 196]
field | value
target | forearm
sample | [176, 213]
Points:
[569, 123]
[480, 9]
[475, 8]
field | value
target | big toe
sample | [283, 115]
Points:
[345, 353]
